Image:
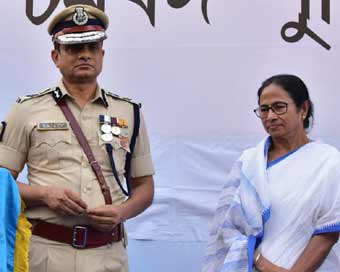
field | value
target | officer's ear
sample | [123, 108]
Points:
[55, 53]
[101, 47]
[55, 57]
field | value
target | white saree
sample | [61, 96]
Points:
[279, 206]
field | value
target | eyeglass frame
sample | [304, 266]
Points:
[258, 112]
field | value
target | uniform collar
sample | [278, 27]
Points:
[60, 92]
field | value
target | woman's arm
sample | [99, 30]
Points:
[316, 252]
[311, 258]
[264, 265]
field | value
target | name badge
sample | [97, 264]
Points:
[53, 126]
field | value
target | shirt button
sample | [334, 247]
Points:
[85, 190]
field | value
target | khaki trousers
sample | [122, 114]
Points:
[50, 256]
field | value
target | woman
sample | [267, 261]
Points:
[282, 197]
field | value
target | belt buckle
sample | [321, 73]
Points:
[75, 235]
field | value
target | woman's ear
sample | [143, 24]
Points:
[304, 109]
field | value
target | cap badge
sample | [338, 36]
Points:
[80, 16]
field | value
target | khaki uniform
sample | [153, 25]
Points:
[54, 158]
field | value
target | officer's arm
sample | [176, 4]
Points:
[58, 199]
[31, 196]
[105, 217]
[141, 198]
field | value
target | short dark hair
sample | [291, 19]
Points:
[56, 46]
[296, 89]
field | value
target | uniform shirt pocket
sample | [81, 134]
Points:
[50, 148]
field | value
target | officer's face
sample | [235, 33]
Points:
[79, 63]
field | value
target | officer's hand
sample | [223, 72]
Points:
[105, 218]
[63, 201]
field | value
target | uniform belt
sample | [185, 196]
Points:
[78, 236]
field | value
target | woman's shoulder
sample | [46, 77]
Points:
[259, 149]
[320, 146]
[324, 153]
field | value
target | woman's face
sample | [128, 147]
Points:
[285, 124]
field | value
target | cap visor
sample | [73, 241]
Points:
[78, 38]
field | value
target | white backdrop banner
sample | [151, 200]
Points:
[196, 66]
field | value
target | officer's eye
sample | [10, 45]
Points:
[73, 48]
[93, 46]
[77, 48]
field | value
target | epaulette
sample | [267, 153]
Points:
[30, 96]
[115, 96]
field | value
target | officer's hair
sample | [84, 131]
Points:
[56, 46]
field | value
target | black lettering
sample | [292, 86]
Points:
[37, 20]
[326, 10]
[305, 9]
[301, 26]
[149, 9]
[205, 10]
[100, 3]
[182, 3]
[178, 3]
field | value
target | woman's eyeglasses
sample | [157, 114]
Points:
[278, 108]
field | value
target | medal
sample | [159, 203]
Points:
[106, 128]
[108, 137]
[124, 142]
[107, 119]
[116, 131]
[120, 122]
[124, 133]
[116, 145]
[114, 121]
[125, 123]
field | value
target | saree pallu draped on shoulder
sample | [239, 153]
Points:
[242, 210]
[14, 227]
[252, 208]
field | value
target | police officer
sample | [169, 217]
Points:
[76, 201]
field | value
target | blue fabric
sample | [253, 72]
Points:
[328, 229]
[9, 214]
[251, 250]
[279, 159]
[276, 161]
[243, 209]
[255, 241]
